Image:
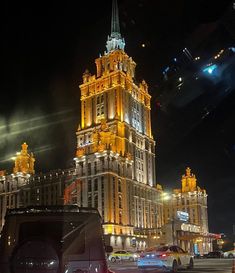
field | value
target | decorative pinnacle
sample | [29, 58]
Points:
[115, 28]
[188, 171]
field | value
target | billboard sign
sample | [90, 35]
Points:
[182, 216]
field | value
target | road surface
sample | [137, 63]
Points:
[200, 266]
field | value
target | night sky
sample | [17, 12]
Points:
[47, 45]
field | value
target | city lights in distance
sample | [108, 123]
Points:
[210, 69]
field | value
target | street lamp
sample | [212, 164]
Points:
[166, 197]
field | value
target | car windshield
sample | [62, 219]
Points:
[59, 231]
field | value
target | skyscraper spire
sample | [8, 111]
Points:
[115, 40]
[115, 28]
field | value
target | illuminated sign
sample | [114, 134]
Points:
[182, 216]
[190, 228]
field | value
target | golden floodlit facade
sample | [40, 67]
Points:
[115, 165]
[11, 195]
[185, 212]
[115, 157]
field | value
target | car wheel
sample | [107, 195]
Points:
[131, 259]
[113, 260]
[174, 267]
[191, 264]
[230, 255]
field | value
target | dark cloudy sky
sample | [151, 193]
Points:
[47, 45]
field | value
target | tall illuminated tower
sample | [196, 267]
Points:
[115, 157]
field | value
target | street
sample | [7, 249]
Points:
[200, 266]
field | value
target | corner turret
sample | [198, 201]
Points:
[24, 162]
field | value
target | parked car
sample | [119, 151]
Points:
[53, 239]
[229, 254]
[214, 254]
[165, 258]
[123, 255]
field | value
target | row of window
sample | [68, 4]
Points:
[120, 167]
[150, 195]
[139, 154]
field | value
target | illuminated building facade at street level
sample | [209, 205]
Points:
[115, 157]
[11, 185]
[24, 188]
[193, 234]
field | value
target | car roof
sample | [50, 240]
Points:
[51, 210]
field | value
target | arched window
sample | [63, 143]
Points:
[102, 110]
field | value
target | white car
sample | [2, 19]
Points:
[165, 258]
[229, 254]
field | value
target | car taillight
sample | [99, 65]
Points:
[164, 255]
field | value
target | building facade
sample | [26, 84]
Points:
[115, 159]
[185, 216]
[115, 165]
[11, 193]
[22, 187]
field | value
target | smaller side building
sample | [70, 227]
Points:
[185, 217]
[23, 187]
[11, 194]
[141, 205]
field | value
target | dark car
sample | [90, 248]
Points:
[214, 254]
[198, 256]
[52, 239]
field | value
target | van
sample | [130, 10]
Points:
[55, 239]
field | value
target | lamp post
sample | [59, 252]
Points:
[168, 197]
